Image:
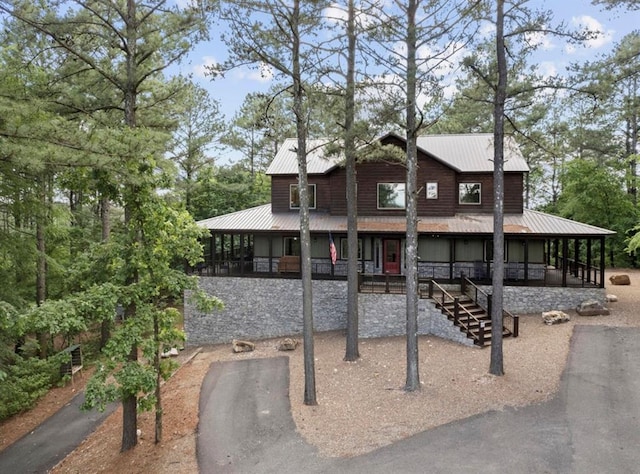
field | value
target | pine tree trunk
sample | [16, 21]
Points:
[496, 365]
[411, 264]
[351, 353]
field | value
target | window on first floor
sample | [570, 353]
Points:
[344, 249]
[391, 196]
[469, 193]
[294, 196]
[291, 246]
[488, 251]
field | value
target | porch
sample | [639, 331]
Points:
[574, 274]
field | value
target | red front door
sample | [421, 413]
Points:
[391, 256]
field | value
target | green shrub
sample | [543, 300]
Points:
[26, 381]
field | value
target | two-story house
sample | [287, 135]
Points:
[455, 224]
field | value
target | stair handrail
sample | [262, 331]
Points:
[515, 320]
[455, 314]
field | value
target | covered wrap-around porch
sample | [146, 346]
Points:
[540, 249]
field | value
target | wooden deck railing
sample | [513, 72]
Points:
[510, 321]
[461, 317]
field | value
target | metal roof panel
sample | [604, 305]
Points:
[260, 219]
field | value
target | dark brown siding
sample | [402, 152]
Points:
[513, 193]
[280, 192]
[331, 194]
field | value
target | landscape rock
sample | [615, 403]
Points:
[612, 298]
[620, 280]
[287, 344]
[555, 317]
[242, 346]
[173, 352]
[591, 308]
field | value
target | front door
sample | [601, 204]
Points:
[391, 256]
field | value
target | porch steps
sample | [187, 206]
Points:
[472, 327]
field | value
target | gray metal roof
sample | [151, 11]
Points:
[261, 219]
[286, 160]
[464, 152]
[472, 152]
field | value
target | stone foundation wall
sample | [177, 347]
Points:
[531, 299]
[260, 308]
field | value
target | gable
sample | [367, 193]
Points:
[464, 153]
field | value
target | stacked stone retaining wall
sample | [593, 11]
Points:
[260, 308]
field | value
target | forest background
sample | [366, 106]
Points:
[108, 156]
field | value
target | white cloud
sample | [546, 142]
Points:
[548, 69]
[202, 69]
[539, 40]
[586, 23]
[263, 73]
[337, 13]
[182, 4]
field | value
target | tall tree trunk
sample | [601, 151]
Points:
[351, 352]
[41, 266]
[305, 235]
[105, 219]
[158, 392]
[411, 271]
[130, 401]
[496, 365]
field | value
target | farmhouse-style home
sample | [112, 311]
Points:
[455, 225]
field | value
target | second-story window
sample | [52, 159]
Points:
[294, 196]
[391, 196]
[432, 190]
[469, 193]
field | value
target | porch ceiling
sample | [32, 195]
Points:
[261, 219]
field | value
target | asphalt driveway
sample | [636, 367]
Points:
[590, 426]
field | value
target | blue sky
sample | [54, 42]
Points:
[552, 57]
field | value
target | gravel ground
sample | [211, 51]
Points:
[362, 405]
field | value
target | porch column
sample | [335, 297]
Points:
[452, 256]
[526, 261]
[212, 250]
[221, 251]
[565, 262]
[602, 263]
[242, 247]
[270, 254]
[547, 258]
[576, 256]
[556, 249]
[589, 262]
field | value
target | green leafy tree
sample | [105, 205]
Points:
[126, 44]
[227, 189]
[200, 126]
[594, 194]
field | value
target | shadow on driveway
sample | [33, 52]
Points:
[590, 426]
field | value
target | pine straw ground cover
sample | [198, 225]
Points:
[361, 405]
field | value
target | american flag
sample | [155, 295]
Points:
[332, 250]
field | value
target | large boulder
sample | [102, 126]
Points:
[555, 317]
[620, 280]
[591, 308]
[242, 346]
[287, 344]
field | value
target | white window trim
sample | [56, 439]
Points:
[391, 208]
[315, 200]
[343, 245]
[470, 203]
[434, 186]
